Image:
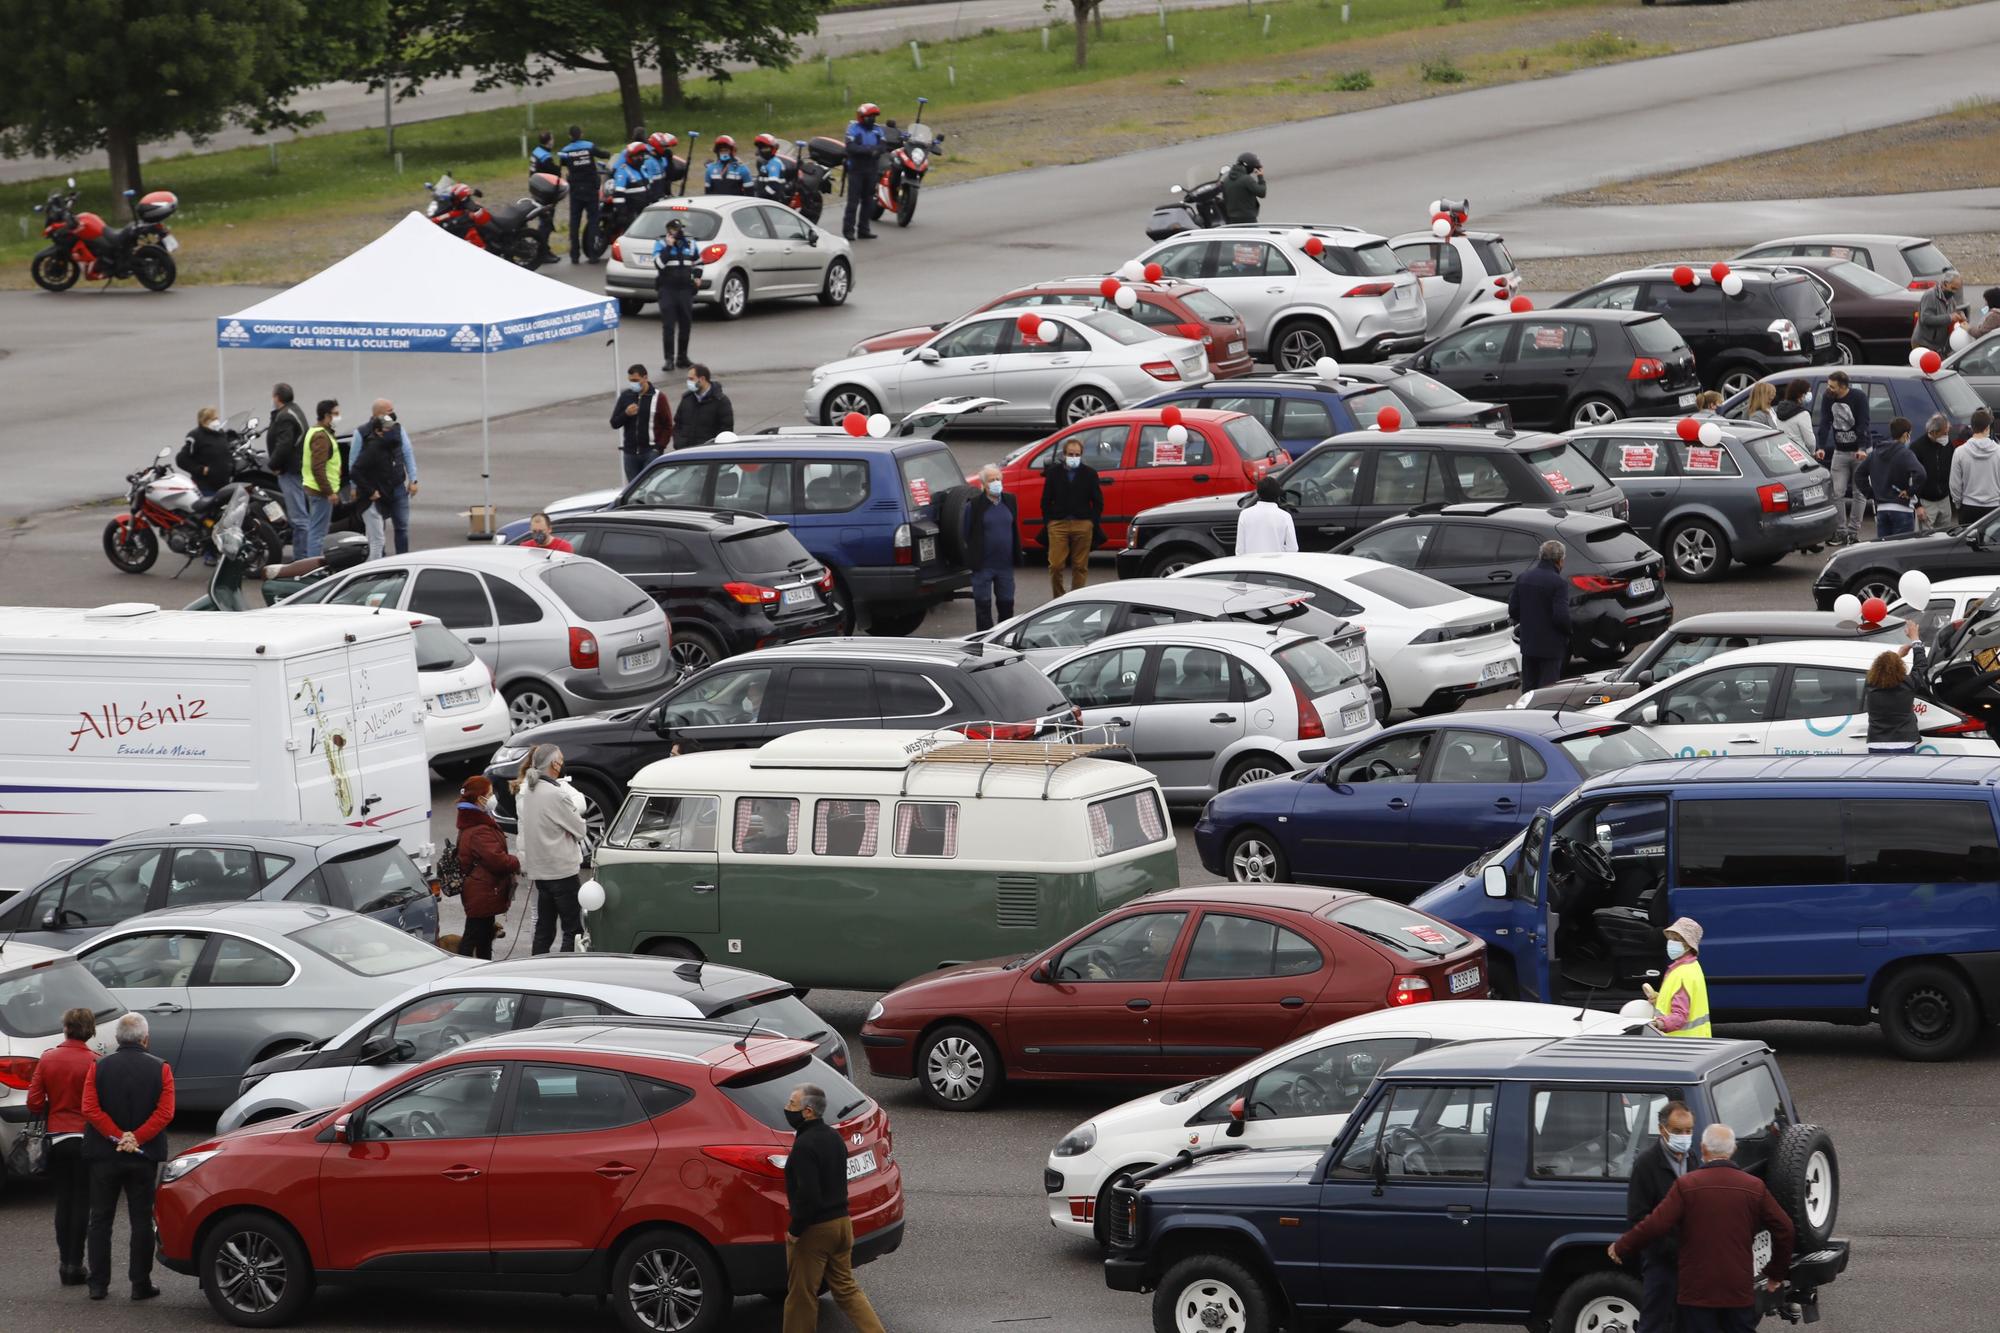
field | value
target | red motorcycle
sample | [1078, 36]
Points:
[910, 156]
[82, 246]
[509, 230]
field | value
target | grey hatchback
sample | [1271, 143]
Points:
[1754, 496]
[186, 865]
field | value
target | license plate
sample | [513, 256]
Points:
[1351, 654]
[860, 1164]
[1354, 715]
[273, 510]
[1822, 337]
[171, 242]
[927, 550]
[640, 661]
[1687, 400]
[1813, 495]
[1461, 982]
[1236, 348]
[799, 597]
[1506, 666]
[458, 699]
[1643, 587]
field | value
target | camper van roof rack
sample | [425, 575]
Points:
[992, 745]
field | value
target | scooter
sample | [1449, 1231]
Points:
[230, 587]
[163, 502]
[910, 153]
[81, 246]
[1197, 203]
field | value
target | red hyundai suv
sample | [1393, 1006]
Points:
[1171, 305]
[1175, 985]
[637, 1160]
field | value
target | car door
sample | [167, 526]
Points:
[1323, 491]
[839, 697]
[1471, 361]
[1403, 479]
[1190, 712]
[573, 1144]
[1243, 987]
[1105, 450]
[1094, 1014]
[1725, 710]
[408, 1188]
[519, 628]
[425, 1027]
[1069, 623]
[1467, 555]
[1031, 373]
[799, 264]
[1353, 819]
[762, 255]
[1162, 472]
[1547, 365]
[1643, 468]
[1469, 801]
[239, 1007]
[728, 708]
[646, 557]
[153, 973]
[106, 890]
[1699, 314]
[1824, 711]
[1256, 279]
[684, 880]
[457, 597]
[1440, 273]
[1104, 686]
[958, 361]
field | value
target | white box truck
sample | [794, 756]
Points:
[128, 717]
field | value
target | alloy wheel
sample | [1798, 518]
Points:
[955, 1069]
[837, 282]
[1254, 862]
[531, 708]
[1735, 382]
[1877, 587]
[845, 401]
[1208, 1306]
[691, 654]
[735, 295]
[1596, 412]
[1255, 773]
[1300, 348]
[250, 1272]
[665, 1290]
[1694, 551]
[1085, 404]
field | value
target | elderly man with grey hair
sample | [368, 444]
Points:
[128, 1102]
[1539, 609]
[1937, 312]
[553, 838]
[820, 1243]
[992, 548]
[1717, 1210]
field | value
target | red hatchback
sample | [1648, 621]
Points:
[641, 1163]
[1171, 986]
[1225, 453]
[1171, 305]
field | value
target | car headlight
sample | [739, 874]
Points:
[874, 1011]
[507, 756]
[1078, 1141]
[185, 1163]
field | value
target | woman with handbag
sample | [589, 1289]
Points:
[56, 1094]
[489, 867]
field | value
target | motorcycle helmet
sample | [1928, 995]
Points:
[344, 550]
[1250, 161]
[866, 113]
[635, 153]
[462, 195]
[723, 141]
[661, 144]
[767, 144]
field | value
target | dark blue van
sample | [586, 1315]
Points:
[1847, 889]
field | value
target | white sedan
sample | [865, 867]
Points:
[1076, 363]
[1432, 646]
[1296, 1096]
[1782, 699]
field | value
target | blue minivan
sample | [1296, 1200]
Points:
[1846, 889]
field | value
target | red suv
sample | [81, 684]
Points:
[1180, 308]
[1175, 985]
[1140, 467]
[641, 1161]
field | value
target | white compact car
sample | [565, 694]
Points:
[1950, 599]
[1782, 699]
[1432, 646]
[1296, 1096]
[1352, 300]
[37, 986]
[465, 719]
[750, 249]
[1076, 364]
[1466, 276]
[1219, 704]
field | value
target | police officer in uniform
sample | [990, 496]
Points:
[631, 191]
[542, 161]
[864, 159]
[580, 158]
[727, 175]
[678, 266]
[773, 177]
[658, 167]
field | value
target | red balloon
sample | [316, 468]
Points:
[1688, 429]
[1170, 415]
[1154, 272]
[1440, 217]
[1930, 363]
[1719, 271]
[1389, 419]
[1314, 246]
[854, 424]
[1683, 276]
[1874, 609]
[1520, 305]
[1108, 288]
[1026, 322]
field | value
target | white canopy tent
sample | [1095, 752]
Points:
[417, 289]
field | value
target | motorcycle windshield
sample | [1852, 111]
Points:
[919, 135]
[1197, 176]
[443, 185]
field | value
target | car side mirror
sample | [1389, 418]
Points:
[251, 424]
[928, 355]
[1041, 976]
[1646, 677]
[1235, 1129]
[52, 919]
[379, 1050]
[1975, 539]
[1494, 881]
[1379, 1160]
[343, 1132]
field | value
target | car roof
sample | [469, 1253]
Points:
[948, 652]
[1805, 624]
[1665, 270]
[262, 830]
[1201, 595]
[1967, 583]
[691, 1042]
[1592, 316]
[1660, 427]
[1839, 237]
[1150, 416]
[1235, 633]
[1300, 384]
[1315, 566]
[1289, 897]
[691, 980]
[1919, 771]
[1587, 1058]
[1088, 282]
[479, 556]
[723, 203]
[1334, 233]
[679, 519]
[273, 918]
[1520, 513]
[813, 439]
[1804, 652]
[18, 953]
[1457, 437]
[1513, 721]
[1867, 372]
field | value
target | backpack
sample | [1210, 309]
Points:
[451, 870]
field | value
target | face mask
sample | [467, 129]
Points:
[993, 488]
[336, 418]
[1072, 460]
[693, 387]
[1680, 1143]
[796, 1119]
[489, 803]
[1675, 949]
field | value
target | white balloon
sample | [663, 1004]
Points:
[878, 426]
[1710, 434]
[1960, 336]
[1847, 606]
[1917, 357]
[590, 895]
[1440, 228]
[1298, 236]
[1915, 586]
[1047, 330]
[1132, 271]
[1177, 435]
[1326, 368]
[1125, 299]
[1437, 206]
[1732, 285]
[725, 437]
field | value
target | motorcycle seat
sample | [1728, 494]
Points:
[509, 217]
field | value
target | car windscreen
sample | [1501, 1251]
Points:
[1250, 438]
[1399, 928]
[651, 225]
[376, 880]
[1373, 260]
[438, 649]
[1607, 749]
[1207, 304]
[1864, 280]
[367, 946]
[1655, 337]
[34, 998]
[781, 1012]
[1406, 587]
[1426, 392]
[1317, 668]
[1958, 399]
[765, 552]
[928, 474]
[594, 594]
[762, 1094]
[1565, 471]
[1925, 260]
[1801, 301]
[1365, 404]
[1016, 690]
[1493, 254]
[1119, 328]
[1770, 452]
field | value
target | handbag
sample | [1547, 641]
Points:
[29, 1156]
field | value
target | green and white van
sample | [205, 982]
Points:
[858, 859]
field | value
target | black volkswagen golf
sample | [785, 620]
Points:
[1561, 368]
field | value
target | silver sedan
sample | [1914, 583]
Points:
[225, 985]
[1073, 363]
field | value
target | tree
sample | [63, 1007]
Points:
[1086, 9]
[710, 35]
[110, 75]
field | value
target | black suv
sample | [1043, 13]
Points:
[919, 684]
[1618, 593]
[1779, 321]
[729, 581]
[1562, 368]
[1353, 481]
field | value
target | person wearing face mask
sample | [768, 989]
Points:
[819, 1244]
[284, 446]
[1682, 999]
[705, 411]
[643, 420]
[553, 837]
[206, 455]
[992, 548]
[319, 472]
[676, 270]
[489, 867]
[1654, 1172]
[379, 478]
[1072, 503]
[727, 174]
[542, 534]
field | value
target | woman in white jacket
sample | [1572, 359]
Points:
[552, 839]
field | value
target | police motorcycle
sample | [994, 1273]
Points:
[909, 152]
[1196, 203]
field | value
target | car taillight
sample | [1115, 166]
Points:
[1774, 499]
[1922, 284]
[906, 551]
[996, 731]
[582, 649]
[825, 580]
[1310, 727]
[711, 253]
[1371, 289]
[1963, 726]
[1786, 332]
[618, 251]
[1162, 370]
[759, 1159]
[17, 1071]
[1409, 990]
[1597, 583]
[1646, 368]
[751, 594]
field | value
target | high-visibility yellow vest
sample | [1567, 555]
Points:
[1691, 980]
[332, 461]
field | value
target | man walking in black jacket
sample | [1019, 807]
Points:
[705, 410]
[1072, 503]
[641, 417]
[1934, 454]
[1842, 434]
[1654, 1172]
[284, 446]
[992, 548]
[1539, 609]
[821, 1243]
[128, 1102]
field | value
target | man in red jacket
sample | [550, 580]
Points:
[128, 1102]
[56, 1094]
[1717, 1209]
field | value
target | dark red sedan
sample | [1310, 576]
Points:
[1171, 986]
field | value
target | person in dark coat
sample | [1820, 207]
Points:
[1654, 1172]
[128, 1102]
[55, 1093]
[1717, 1211]
[992, 548]
[1933, 449]
[705, 410]
[1891, 696]
[1894, 476]
[489, 867]
[206, 455]
[1072, 503]
[819, 1243]
[643, 420]
[1243, 189]
[284, 447]
[1539, 609]
[378, 477]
